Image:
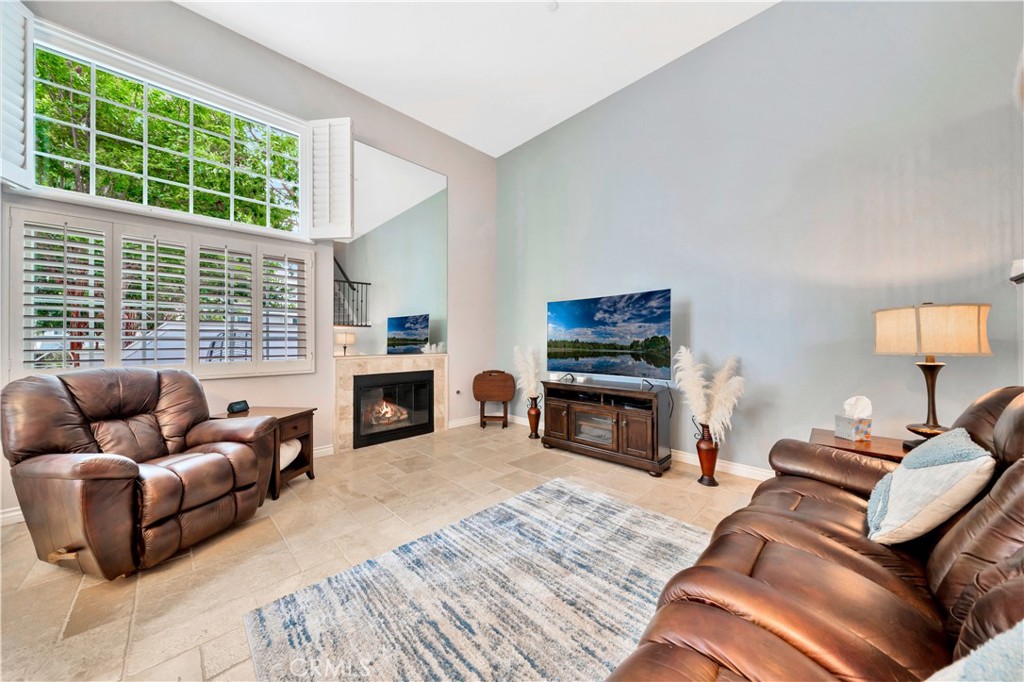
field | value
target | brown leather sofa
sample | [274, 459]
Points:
[119, 469]
[791, 589]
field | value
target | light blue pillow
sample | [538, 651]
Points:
[932, 483]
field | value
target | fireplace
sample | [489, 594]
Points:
[392, 406]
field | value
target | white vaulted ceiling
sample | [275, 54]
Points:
[491, 74]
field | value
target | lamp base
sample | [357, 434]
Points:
[927, 430]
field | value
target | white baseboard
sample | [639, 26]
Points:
[475, 421]
[11, 515]
[465, 421]
[323, 451]
[727, 467]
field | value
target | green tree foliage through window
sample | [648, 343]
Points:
[108, 134]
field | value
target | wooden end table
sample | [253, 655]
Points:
[292, 422]
[884, 448]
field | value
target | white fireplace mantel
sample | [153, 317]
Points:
[348, 366]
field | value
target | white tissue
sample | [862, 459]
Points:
[857, 407]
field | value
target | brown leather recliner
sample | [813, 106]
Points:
[124, 467]
[790, 588]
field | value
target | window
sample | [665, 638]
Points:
[177, 297]
[284, 308]
[88, 124]
[154, 288]
[105, 133]
[64, 285]
[225, 305]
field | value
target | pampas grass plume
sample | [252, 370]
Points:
[526, 368]
[689, 377]
[711, 403]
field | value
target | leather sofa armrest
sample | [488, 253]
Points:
[82, 503]
[241, 430]
[93, 466]
[847, 470]
[256, 432]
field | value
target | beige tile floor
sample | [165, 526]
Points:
[183, 619]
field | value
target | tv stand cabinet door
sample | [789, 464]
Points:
[637, 434]
[556, 418]
[596, 427]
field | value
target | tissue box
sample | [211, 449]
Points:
[853, 429]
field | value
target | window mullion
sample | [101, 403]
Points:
[145, 143]
[64, 296]
[113, 309]
[92, 130]
[156, 299]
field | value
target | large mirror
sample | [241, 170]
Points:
[396, 264]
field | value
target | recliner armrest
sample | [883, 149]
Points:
[847, 470]
[241, 430]
[81, 467]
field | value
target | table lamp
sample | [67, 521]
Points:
[930, 330]
[344, 339]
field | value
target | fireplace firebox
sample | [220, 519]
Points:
[392, 406]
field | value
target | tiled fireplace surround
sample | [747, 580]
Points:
[348, 366]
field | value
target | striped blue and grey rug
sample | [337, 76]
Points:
[557, 584]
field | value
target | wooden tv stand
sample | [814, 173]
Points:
[611, 422]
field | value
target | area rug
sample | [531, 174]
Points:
[557, 583]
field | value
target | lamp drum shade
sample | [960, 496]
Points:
[951, 329]
[344, 338]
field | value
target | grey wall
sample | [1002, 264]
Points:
[811, 165]
[404, 261]
[169, 35]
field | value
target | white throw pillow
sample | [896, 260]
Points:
[932, 483]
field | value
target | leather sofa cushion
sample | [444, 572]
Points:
[161, 492]
[814, 604]
[996, 612]
[902, 577]
[25, 435]
[175, 483]
[240, 456]
[136, 437]
[181, 407]
[1002, 404]
[204, 476]
[730, 648]
[114, 392]
[812, 501]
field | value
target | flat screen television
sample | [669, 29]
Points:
[408, 334]
[626, 335]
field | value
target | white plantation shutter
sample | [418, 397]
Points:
[332, 179]
[63, 303]
[16, 94]
[154, 283]
[285, 308]
[225, 305]
[88, 293]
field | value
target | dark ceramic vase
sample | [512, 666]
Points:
[707, 452]
[533, 414]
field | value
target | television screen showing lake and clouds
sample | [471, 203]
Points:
[408, 334]
[626, 335]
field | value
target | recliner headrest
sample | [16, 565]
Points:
[981, 417]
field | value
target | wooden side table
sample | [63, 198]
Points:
[292, 422]
[884, 448]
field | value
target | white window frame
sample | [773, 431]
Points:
[57, 38]
[16, 218]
